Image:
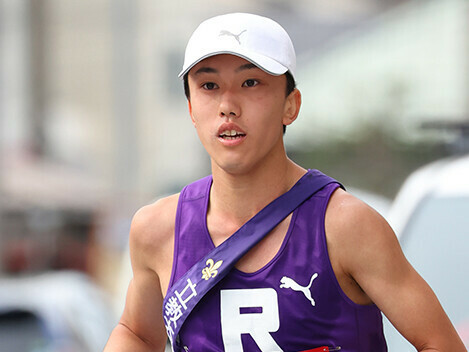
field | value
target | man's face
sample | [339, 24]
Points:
[239, 111]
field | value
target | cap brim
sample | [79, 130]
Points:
[263, 62]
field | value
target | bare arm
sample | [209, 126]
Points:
[133, 331]
[141, 326]
[370, 254]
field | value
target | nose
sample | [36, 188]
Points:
[229, 106]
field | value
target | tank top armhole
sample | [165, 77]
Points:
[329, 263]
[176, 236]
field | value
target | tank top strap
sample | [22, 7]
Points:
[191, 238]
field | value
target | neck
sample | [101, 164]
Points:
[239, 197]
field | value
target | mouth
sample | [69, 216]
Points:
[231, 135]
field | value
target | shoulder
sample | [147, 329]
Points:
[156, 211]
[152, 227]
[344, 209]
[356, 231]
[363, 249]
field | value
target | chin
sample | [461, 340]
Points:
[232, 169]
[238, 168]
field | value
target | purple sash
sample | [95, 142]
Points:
[183, 296]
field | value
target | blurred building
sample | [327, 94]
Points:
[405, 67]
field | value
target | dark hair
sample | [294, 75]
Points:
[291, 85]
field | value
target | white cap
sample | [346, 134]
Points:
[257, 39]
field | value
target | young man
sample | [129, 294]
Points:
[321, 277]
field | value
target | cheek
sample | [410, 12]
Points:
[202, 108]
[200, 116]
[197, 112]
[270, 109]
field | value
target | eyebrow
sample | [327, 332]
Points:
[207, 69]
[248, 66]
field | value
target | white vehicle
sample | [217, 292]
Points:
[54, 312]
[431, 218]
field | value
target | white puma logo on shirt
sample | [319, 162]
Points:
[287, 282]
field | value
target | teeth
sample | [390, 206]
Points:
[229, 133]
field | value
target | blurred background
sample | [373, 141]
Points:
[94, 124]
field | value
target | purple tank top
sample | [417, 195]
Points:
[293, 303]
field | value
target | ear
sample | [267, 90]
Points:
[190, 113]
[292, 107]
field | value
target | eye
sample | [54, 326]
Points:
[250, 83]
[209, 86]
